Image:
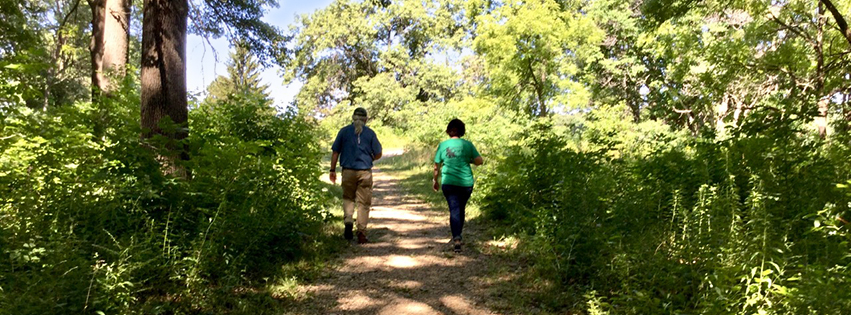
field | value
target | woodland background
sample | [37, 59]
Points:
[644, 157]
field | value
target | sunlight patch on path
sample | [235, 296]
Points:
[356, 300]
[379, 212]
[402, 262]
[391, 262]
[461, 305]
[404, 306]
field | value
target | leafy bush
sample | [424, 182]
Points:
[256, 173]
[91, 224]
[653, 221]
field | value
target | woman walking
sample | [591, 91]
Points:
[452, 163]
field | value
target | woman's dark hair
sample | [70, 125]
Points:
[456, 128]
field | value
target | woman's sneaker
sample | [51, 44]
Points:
[457, 246]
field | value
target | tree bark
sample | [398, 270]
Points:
[116, 38]
[97, 45]
[110, 43]
[164, 74]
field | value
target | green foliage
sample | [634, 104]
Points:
[488, 126]
[240, 21]
[524, 44]
[69, 205]
[43, 50]
[651, 156]
[90, 224]
[380, 57]
[256, 175]
[243, 76]
[689, 225]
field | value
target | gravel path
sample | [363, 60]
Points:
[407, 268]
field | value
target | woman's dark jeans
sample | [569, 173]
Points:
[456, 197]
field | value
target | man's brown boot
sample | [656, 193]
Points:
[362, 238]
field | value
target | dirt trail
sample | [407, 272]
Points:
[407, 268]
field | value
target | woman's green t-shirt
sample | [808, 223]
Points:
[456, 156]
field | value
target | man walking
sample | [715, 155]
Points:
[356, 146]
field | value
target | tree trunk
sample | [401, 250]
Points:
[50, 78]
[542, 105]
[116, 38]
[846, 127]
[97, 45]
[110, 43]
[721, 112]
[164, 75]
[822, 101]
[632, 98]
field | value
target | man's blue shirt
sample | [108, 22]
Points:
[356, 154]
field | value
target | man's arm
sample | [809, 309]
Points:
[376, 156]
[333, 174]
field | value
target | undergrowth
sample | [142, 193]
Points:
[91, 224]
[651, 221]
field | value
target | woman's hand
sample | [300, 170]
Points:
[478, 161]
[434, 184]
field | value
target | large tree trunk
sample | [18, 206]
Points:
[116, 37]
[110, 43]
[97, 45]
[164, 74]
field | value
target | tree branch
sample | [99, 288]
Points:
[68, 16]
[195, 17]
[840, 21]
[798, 32]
